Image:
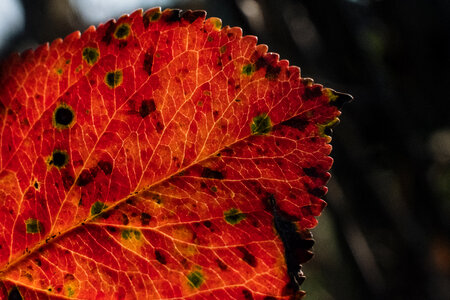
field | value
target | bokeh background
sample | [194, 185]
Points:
[386, 231]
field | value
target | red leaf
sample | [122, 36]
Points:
[159, 156]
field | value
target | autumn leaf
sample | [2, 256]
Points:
[157, 157]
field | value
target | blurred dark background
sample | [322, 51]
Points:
[386, 232]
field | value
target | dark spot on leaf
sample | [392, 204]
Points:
[203, 185]
[221, 265]
[234, 216]
[160, 257]
[147, 107]
[249, 258]
[207, 224]
[90, 55]
[148, 61]
[145, 219]
[85, 178]
[272, 72]
[105, 166]
[312, 92]
[208, 173]
[195, 279]
[38, 262]
[14, 294]
[261, 125]
[110, 27]
[36, 185]
[106, 214]
[159, 127]
[318, 192]
[59, 158]
[125, 220]
[63, 116]
[297, 123]
[122, 44]
[111, 229]
[247, 294]
[122, 31]
[69, 276]
[34, 226]
[97, 208]
[130, 201]
[314, 172]
[114, 78]
[67, 179]
[191, 16]
[172, 15]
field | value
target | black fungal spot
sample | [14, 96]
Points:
[207, 224]
[160, 257]
[85, 178]
[105, 166]
[209, 173]
[148, 61]
[59, 158]
[90, 55]
[122, 31]
[272, 72]
[203, 185]
[63, 116]
[36, 185]
[172, 16]
[114, 78]
[145, 219]
[147, 107]
[249, 258]
[247, 294]
[14, 294]
[191, 16]
[125, 220]
[221, 265]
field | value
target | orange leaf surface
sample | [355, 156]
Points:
[158, 157]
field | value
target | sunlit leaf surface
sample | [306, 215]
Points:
[159, 156]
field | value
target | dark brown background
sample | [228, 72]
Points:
[385, 233]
